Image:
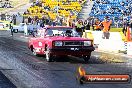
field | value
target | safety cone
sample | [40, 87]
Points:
[128, 35]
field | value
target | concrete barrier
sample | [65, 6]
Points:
[111, 45]
[129, 48]
[116, 42]
[97, 36]
[88, 34]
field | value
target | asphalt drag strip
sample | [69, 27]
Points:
[5, 82]
[30, 71]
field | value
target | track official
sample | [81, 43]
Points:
[106, 27]
[11, 28]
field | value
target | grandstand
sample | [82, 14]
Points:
[115, 9]
[54, 8]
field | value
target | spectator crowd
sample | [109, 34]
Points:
[5, 4]
[117, 10]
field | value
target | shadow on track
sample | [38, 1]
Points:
[73, 60]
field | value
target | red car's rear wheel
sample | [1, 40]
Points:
[86, 58]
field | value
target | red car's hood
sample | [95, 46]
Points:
[66, 38]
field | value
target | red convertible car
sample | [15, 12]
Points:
[60, 41]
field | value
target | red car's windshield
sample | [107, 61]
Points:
[61, 32]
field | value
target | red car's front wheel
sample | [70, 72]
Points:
[34, 52]
[86, 58]
[49, 57]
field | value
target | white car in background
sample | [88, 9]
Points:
[19, 28]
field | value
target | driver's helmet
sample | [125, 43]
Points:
[69, 33]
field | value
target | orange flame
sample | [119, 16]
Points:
[81, 71]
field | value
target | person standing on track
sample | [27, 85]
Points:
[106, 27]
[11, 28]
[25, 29]
[69, 21]
[96, 25]
[130, 25]
[86, 25]
[125, 25]
[79, 27]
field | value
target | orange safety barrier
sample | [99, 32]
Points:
[128, 35]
